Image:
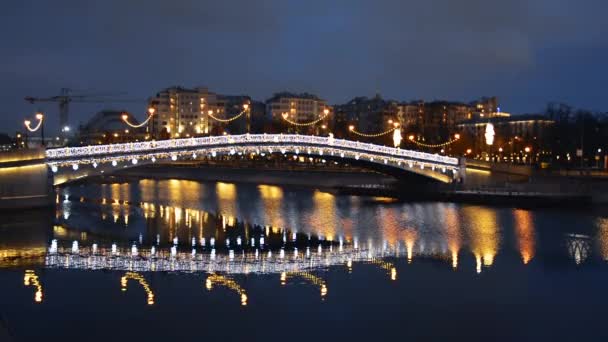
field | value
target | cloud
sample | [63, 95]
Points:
[338, 49]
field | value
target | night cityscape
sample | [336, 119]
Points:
[342, 170]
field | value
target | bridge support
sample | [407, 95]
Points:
[25, 181]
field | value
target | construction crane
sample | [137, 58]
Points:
[65, 97]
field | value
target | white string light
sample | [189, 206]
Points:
[125, 118]
[352, 129]
[314, 122]
[456, 138]
[245, 108]
[27, 123]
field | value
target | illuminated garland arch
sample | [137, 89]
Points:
[141, 280]
[375, 135]
[245, 109]
[311, 123]
[27, 123]
[31, 279]
[313, 279]
[229, 283]
[449, 142]
[125, 118]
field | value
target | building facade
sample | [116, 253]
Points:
[183, 112]
[284, 109]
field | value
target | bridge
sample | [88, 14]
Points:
[77, 162]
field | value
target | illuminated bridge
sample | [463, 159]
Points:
[76, 162]
[233, 262]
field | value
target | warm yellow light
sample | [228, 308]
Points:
[500, 149]
[325, 111]
[39, 116]
[396, 124]
[285, 115]
[469, 151]
[210, 112]
[246, 106]
[456, 136]
[125, 117]
[27, 123]
[323, 126]
[115, 135]
[411, 137]
[151, 110]
[390, 121]
[351, 127]
[527, 149]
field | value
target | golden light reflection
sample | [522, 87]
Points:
[602, 225]
[216, 279]
[483, 234]
[524, 231]
[409, 236]
[226, 195]
[272, 197]
[31, 279]
[141, 280]
[311, 278]
[387, 266]
[453, 234]
[323, 218]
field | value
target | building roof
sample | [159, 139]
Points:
[286, 94]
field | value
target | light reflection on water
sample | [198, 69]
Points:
[172, 209]
[250, 246]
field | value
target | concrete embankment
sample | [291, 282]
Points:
[25, 181]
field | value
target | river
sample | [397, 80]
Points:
[164, 260]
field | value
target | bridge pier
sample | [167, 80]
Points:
[25, 181]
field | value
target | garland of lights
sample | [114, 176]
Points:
[31, 279]
[387, 266]
[210, 113]
[352, 129]
[311, 123]
[29, 128]
[449, 142]
[307, 276]
[227, 282]
[125, 118]
[141, 280]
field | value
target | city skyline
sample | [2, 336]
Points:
[526, 53]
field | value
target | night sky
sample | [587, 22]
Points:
[526, 52]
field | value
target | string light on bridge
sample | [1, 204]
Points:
[245, 109]
[31, 279]
[285, 117]
[125, 118]
[39, 117]
[141, 280]
[396, 125]
[412, 139]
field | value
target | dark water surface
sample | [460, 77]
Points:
[180, 260]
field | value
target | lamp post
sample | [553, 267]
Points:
[40, 117]
[527, 150]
